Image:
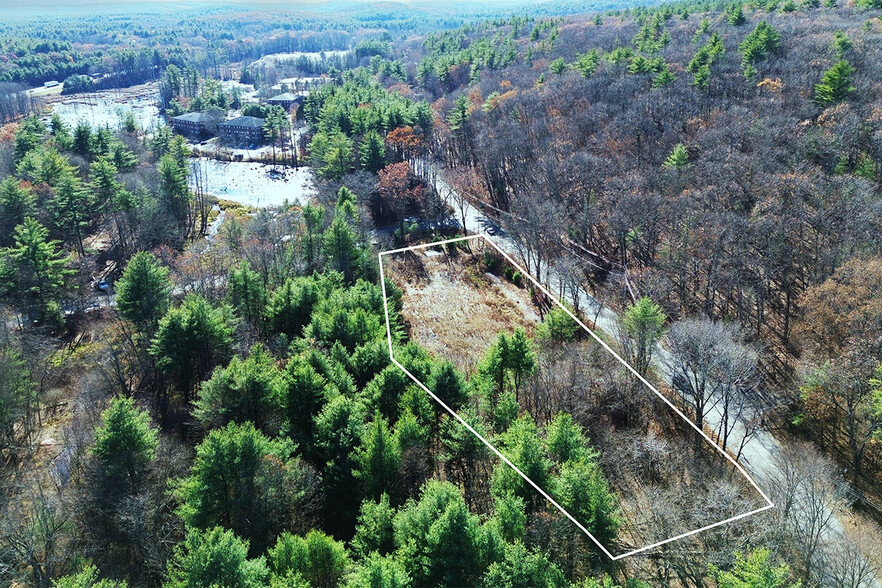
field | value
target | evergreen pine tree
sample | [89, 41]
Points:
[678, 158]
[246, 293]
[125, 443]
[377, 459]
[33, 271]
[736, 15]
[643, 325]
[16, 204]
[372, 152]
[835, 85]
[215, 557]
[143, 292]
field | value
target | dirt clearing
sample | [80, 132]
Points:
[453, 306]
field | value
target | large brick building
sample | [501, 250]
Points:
[242, 129]
[289, 101]
[192, 124]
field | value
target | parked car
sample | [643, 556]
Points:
[680, 383]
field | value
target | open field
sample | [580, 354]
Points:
[455, 309]
[252, 184]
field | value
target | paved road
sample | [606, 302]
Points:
[96, 301]
[44, 91]
[761, 453]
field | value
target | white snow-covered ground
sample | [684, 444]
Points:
[254, 184]
[107, 107]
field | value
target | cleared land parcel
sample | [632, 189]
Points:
[571, 422]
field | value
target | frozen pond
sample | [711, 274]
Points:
[248, 93]
[280, 58]
[248, 183]
[107, 107]
[253, 184]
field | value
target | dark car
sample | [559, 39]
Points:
[680, 383]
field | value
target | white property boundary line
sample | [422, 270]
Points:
[605, 346]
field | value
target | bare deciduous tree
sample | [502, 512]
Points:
[848, 566]
[807, 491]
[32, 547]
[716, 373]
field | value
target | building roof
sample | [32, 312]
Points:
[244, 121]
[286, 97]
[194, 117]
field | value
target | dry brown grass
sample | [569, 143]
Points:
[453, 308]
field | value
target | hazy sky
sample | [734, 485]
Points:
[128, 5]
[72, 7]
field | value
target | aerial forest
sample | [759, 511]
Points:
[200, 392]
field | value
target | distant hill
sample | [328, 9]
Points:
[462, 8]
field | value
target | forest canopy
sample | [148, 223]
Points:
[198, 392]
